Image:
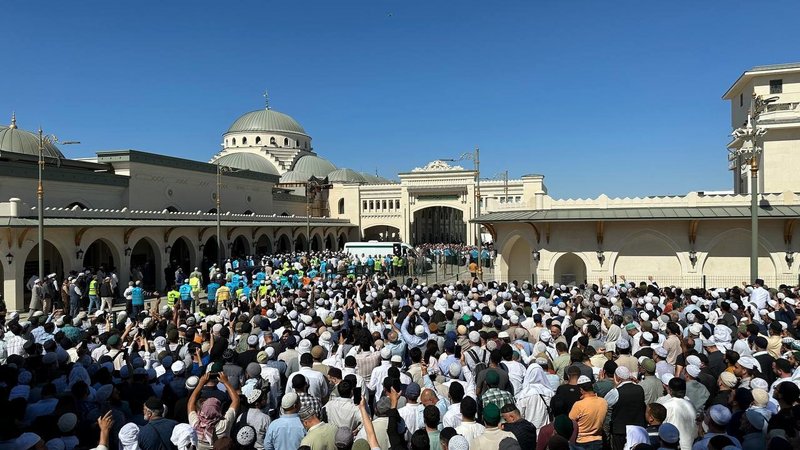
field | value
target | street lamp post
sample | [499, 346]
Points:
[40, 190]
[476, 158]
[750, 149]
[220, 170]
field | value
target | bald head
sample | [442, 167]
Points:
[428, 397]
[392, 336]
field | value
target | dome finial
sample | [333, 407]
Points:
[266, 98]
[13, 120]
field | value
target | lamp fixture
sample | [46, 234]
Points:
[9, 258]
[79, 254]
[168, 249]
[201, 248]
[536, 255]
[230, 245]
[789, 257]
[601, 257]
[693, 257]
[128, 251]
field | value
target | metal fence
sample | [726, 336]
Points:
[710, 281]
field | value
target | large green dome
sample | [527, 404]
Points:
[14, 140]
[247, 161]
[266, 120]
[314, 165]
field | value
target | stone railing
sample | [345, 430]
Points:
[691, 200]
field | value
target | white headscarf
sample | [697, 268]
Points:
[184, 436]
[635, 435]
[129, 437]
[79, 373]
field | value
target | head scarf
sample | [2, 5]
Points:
[184, 437]
[614, 333]
[536, 379]
[79, 373]
[635, 435]
[208, 417]
[129, 437]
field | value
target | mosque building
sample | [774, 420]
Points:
[129, 208]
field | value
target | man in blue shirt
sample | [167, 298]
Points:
[287, 432]
[211, 289]
[186, 295]
[158, 430]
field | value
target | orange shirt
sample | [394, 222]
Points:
[590, 412]
[473, 267]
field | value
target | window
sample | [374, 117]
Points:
[518, 200]
[234, 141]
[297, 144]
[226, 142]
[391, 204]
[285, 142]
[776, 86]
[258, 139]
[397, 204]
[741, 100]
[305, 144]
[341, 206]
[384, 205]
[371, 205]
[272, 141]
[364, 205]
[244, 141]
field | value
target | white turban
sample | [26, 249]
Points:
[129, 437]
[184, 436]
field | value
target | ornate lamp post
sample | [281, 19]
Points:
[220, 170]
[750, 149]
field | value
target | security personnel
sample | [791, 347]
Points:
[211, 289]
[186, 295]
[173, 295]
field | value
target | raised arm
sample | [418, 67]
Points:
[223, 378]
[190, 407]
[372, 439]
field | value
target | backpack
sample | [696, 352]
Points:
[480, 364]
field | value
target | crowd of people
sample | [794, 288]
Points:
[300, 352]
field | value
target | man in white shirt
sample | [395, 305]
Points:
[680, 412]
[469, 428]
[317, 385]
[759, 296]
[452, 418]
[411, 410]
[341, 411]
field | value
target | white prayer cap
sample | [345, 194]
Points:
[693, 370]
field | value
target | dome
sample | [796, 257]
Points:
[293, 176]
[374, 179]
[14, 140]
[345, 176]
[314, 165]
[266, 120]
[247, 161]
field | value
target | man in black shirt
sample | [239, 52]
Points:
[523, 430]
[571, 393]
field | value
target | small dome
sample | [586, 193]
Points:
[14, 140]
[247, 161]
[293, 176]
[345, 176]
[314, 165]
[266, 120]
[374, 179]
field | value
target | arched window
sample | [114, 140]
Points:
[397, 204]
[272, 141]
[341, 206]
[384, 204]
[371, 205]
[248, 212]
[258, 139]
[172, 209]
[244, 141]
[305, 144]
[234, 141]
[80, 206]
[297, 143]
[285, 142]
[284, 214]
[365, 205]
[226, 142]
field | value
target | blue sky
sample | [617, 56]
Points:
[622, 98]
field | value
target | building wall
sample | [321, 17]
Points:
[781, 158]
[60, 194]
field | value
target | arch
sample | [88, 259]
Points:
[258, 139]
[212, 211]
[272, 141]
[341, 206]
[54, 259]
[80, 205]
[263, 245]
[100, 254]
[211, 252]
[342, 240]
[728, 255]
[569, 268]
[647, 252]
[239, 247]
[234, 141]
[180, 255]
[244, 140]
[143, 259]
[284, 214]
[381, 233]
[284, 244]
[316, 243]
[519, 259]
[249, 212]
[172, 209]
[300, 243]
[438, 225]
[328, 242]
[285, 142]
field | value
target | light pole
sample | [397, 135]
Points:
[313, 186]
[750, 149]
[476, 158]
[220, 170]
[503, 176]
[40, 190]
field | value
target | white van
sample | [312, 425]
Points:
[376, 248]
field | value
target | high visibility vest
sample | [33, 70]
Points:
[171, 297]
[93, 287]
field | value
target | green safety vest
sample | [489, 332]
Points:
[93, 287]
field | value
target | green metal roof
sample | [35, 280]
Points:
[623, 214]
[133, 222]
[294, 176]
[247, 161]
[266, 120]
[314, 165]
[345, 176]
[12, 139]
